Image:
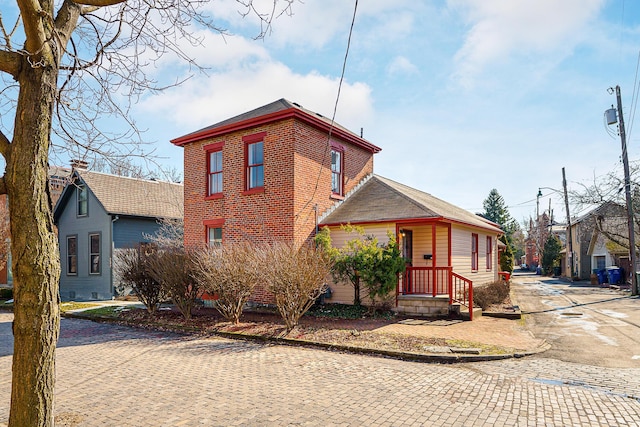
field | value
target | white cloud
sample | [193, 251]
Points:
[314, 24]
[203, 101]
[400, 65]
[501, 29]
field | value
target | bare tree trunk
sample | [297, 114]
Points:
[36, 263]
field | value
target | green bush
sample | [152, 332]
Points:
[6, 293]
[493, 293]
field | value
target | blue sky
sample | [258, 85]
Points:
[461, 95]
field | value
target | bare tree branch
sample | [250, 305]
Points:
[98, 3]
[5, 145]
[10, 62]
[3, 185]
[33, 28]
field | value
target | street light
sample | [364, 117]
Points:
[566, 206]
[611, 119]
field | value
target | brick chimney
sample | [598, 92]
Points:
[79, 164]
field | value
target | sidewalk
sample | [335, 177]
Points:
[485, 330]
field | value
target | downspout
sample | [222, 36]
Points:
[111, 247]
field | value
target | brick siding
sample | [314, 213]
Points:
[297, 185]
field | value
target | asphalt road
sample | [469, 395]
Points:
[583, 323]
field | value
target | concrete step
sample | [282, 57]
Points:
[477, 312]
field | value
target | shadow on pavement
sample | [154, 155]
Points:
[80, 332]
[580, 305]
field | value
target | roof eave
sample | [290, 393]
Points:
[414, 221]
[272, 117]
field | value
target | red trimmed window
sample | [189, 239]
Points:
[489, 253]
[337, 166]
[214, 169]
[474, 252]
[214, 232]
[254, 161]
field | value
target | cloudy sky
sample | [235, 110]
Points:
[461, 95]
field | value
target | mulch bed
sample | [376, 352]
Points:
[333, 331]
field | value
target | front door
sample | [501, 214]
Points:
[407, 254]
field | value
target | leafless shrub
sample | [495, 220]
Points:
[169, 235]
[230, 272]
[493, 293]
[296, 277]
[132, 265]
[174, 269]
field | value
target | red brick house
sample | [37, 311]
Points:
[267, 174]
[277, 172]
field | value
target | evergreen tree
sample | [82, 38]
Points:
[496, 210]
[551, 254]
[506, 257]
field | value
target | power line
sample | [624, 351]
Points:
[335, 109]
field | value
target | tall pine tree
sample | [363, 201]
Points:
[496, 210]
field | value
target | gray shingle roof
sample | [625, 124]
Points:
[136, 197]
[274, 107]
[382, 199]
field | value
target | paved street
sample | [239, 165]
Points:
[583, 323]
[115, 376]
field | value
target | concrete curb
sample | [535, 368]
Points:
[393, 354]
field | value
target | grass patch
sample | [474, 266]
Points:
[107, 311]
[71, 305]
[484, 348]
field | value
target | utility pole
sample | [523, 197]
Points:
[627, 190]
[569, 238]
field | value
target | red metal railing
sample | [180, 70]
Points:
[462, 292]
[436, 281]
[425, 281]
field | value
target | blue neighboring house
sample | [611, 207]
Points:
[96, 215]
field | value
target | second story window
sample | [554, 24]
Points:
[336, 172]
[83, 200]
[255, 165]
[215, 173]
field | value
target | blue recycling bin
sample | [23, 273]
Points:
[602, 276]
[614, 275]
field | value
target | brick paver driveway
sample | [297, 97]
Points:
[116, 376]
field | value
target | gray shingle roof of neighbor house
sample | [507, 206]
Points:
[380, 199]
[135, 197]
[276, 110]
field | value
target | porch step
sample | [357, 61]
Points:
[464, 312]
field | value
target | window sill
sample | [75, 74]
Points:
[215, 196]
[253, 191]
[335, 196]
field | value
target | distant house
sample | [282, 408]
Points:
[597, 237]
[96, 215]
[280, 171]
[58, 177]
